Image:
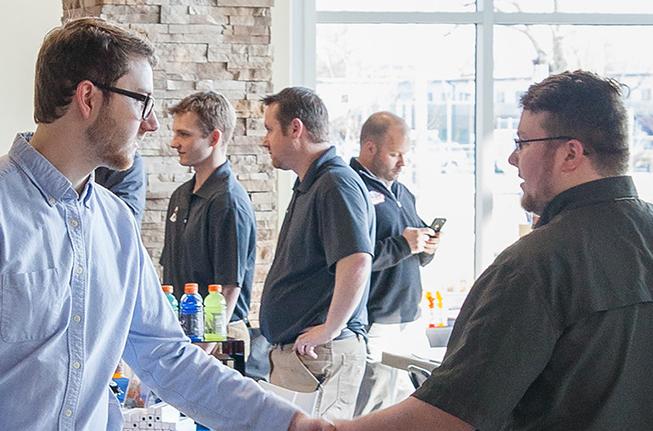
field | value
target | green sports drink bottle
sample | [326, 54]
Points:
[215, 314]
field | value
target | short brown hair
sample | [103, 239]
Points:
[302, 103]
[377, 125]
[213, 110]
[589, 108]
[85, 48]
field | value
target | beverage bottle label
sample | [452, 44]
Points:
[193, 325]
[191, 316]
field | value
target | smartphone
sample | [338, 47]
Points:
[438, 223]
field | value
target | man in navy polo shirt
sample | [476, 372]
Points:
[403, 244]
[210, 234]
[313, 302]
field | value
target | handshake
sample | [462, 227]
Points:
[302, 422]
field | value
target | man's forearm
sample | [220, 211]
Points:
[352, 275]
[410, 414]
[231, 294]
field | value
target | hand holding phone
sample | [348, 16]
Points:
[437, 224]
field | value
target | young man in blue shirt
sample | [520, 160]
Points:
[77, 286]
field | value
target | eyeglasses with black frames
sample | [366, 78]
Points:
[145, 99]
[521, 143]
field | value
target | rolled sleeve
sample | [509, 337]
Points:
[502, 341]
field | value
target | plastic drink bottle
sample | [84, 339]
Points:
[191, 313]
[121, 383]
[215, 313]
[168, 289]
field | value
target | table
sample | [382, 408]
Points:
[427, 360]
[230, 352]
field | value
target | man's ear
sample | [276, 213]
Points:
[296, 128]
[574, 155]
[369, 147]
[216, 137]
[88, 98]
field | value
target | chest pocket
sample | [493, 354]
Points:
[31, 305]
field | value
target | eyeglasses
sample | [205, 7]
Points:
[146, 99]
[520, 143]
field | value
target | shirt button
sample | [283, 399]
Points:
[74, 223]
[52, 200]
[68, 412]
[77, 318]
[79, 270]
[77, 365]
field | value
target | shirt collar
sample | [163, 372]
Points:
[314, 170]
[52, 184]
[358, 167]
[602, 190]
[215, 182]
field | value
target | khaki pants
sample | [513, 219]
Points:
[384, 386]
[336, 373]
[239, 331]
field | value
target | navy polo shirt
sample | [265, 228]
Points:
[210, 237]
[396, 285]
[329, 218]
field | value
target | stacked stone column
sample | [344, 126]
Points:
[223, 45]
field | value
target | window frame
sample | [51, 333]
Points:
[305, 18]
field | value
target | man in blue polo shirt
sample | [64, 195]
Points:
[313, 302]
[210, 235]
[403, 244]
[78, 288]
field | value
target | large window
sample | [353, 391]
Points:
[356, 78]
[455, 70]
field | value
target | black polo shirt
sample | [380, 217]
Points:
[557, 334]
[210, 237]
[329, 217]
[396, 284]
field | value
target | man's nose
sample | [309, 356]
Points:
[150, 124]
[513, 158]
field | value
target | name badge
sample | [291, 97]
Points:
[376, 197]
[173, 217]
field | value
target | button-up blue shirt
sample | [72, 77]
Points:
[77, 292]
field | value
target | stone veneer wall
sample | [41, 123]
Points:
[222, 45]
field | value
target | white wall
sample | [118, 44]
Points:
[24, 24]
[281, 78]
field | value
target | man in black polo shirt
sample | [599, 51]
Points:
[210, 234]
[313, 302]
[403, 244]
[557, 333]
